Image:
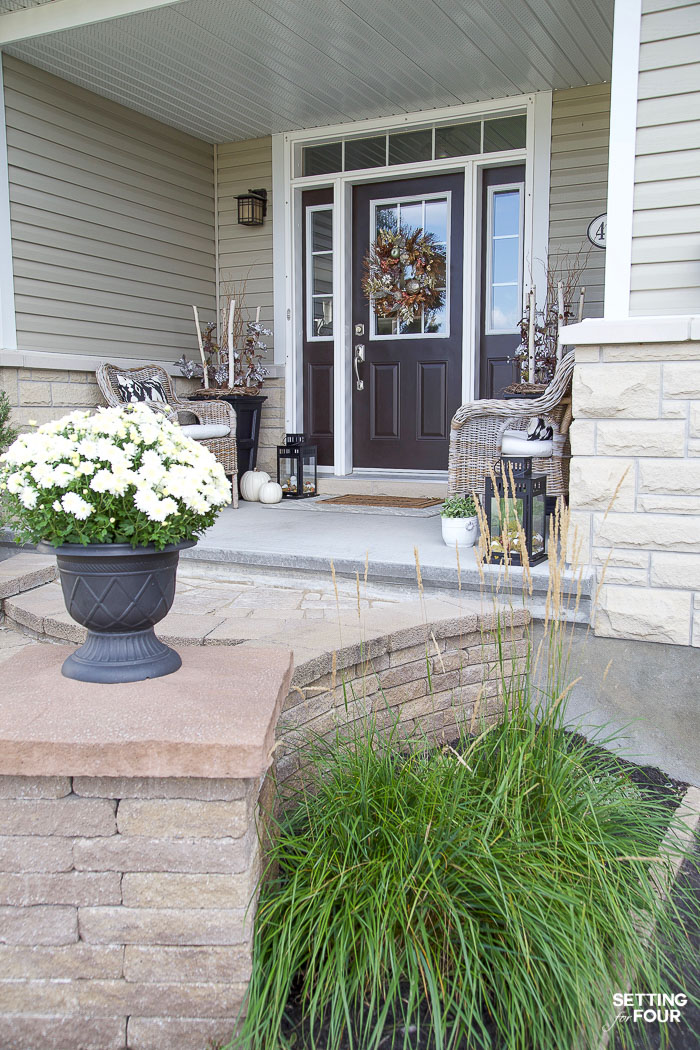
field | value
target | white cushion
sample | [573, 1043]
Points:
[515, 443]
[200, 431]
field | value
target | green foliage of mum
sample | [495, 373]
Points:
[506, 885]
[122, 475]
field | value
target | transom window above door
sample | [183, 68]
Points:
[430, 214]
[465, 139]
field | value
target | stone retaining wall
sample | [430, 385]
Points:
[122, 911]
[123, 897]
[425, 680]
[636, 436]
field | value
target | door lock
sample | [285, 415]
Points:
[359, 329]
[358, 359]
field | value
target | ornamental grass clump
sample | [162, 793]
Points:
[491, 893]
[122, 475]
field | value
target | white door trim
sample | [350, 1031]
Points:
[287, 274]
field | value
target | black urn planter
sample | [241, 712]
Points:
[119, 593]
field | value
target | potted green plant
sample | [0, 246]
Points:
[116, 495]
[460, 524]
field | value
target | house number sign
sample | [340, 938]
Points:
[597, 228]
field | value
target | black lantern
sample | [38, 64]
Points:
[252, 207]
[515, 508]
[297, 467]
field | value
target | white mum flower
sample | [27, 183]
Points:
[57, 504]
[43, 475]
[28, 497]
[102, 481]
[15, 483]
[63, 473]
[74, 504]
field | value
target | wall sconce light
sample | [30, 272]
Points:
[252, 207]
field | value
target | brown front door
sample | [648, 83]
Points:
[503, 191]
[411, 374]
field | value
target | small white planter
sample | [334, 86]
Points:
[460, 532]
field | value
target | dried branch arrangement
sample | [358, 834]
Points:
[233, 359]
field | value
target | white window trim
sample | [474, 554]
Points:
[491, 193]
[310, 210]
[287, 238]
[372, 226]
[627, 29]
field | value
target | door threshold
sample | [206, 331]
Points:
[384, 483]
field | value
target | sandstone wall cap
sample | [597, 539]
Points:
[215, 717]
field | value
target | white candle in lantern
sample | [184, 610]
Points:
[201, 347]
[231, 312]
[257, 315]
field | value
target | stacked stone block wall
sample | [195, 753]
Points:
[635, 486]
[123, 911]
[39, 395]
[422, 683]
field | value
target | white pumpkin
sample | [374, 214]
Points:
[270, 492]
[251, 483]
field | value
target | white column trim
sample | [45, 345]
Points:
[623, 136]
[8, 329]
[69, 14]
[537, 180]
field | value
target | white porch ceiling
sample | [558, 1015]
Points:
[225, 70]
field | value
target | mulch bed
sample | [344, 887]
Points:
[654, 785]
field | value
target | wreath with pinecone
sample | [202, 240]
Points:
[404, 273]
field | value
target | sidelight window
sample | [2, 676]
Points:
[504, 259]
[319, 272]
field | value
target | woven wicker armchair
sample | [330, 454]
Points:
[224, 448]
[478, 428]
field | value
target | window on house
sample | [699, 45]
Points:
[430, 214]
[504, 259]
[319, 272]
[434, 142]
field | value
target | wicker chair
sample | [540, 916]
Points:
[478, 428]
[224, 448]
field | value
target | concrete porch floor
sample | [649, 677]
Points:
[304, 538]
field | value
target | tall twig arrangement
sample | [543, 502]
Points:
[232, 359]
[540, 347]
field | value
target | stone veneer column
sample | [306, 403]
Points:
[636, 437]
[129, 850]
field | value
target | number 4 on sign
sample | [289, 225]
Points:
[596, 231]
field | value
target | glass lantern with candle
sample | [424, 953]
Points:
[297, 467]
[515, 504]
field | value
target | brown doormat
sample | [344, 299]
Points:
[406, 502]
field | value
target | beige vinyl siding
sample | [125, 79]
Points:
[112, 219]
[665, 277]
[579, 183]
[245, 252]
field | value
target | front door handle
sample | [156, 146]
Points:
[358, 359]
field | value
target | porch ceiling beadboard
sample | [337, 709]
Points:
[112, 223]
[665, 273]
[579, 182]
[226, 70]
